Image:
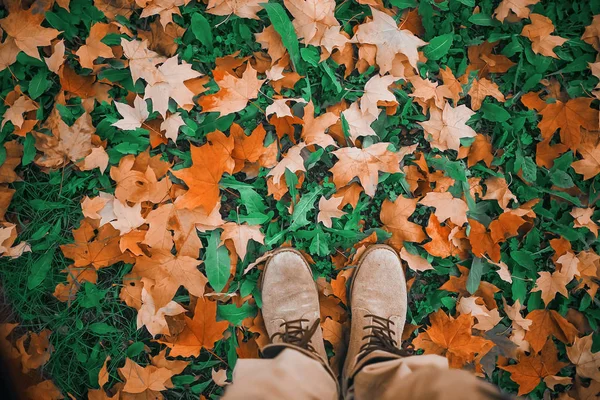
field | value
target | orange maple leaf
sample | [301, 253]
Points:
[209, 162]
[234, 93]
[200, 332]
[365, 164]
[547, 323]
[169, 272]
[99, 250]
[394, 216]
[25, 29]
[531, 369]
[569, 117]
[539, 32]
[453, 338]
[440, 245]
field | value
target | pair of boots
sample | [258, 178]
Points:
[377, 300]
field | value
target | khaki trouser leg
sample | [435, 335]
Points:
[290, 375]
[425, 377]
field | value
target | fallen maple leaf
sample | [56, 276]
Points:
[587, 363]
[390, 40]
[200, 332]
[445, 128]
[292, 161]
[25, 28]
[329, 208]
[514, 314]
[480, 89]
[142, 61]
[312, 18]
[446, 207]
[99, 250]
[170, 84]
[313, 130]
[234, 93]
[270, 40]
[364, 164]
[209, 162]
[520, 8]
[452, 337]
[539, 32]
[168, 273]
[550, 284]
[547, 323]
[486, 319]
[133, 117]
[531, 369]
[147, 380]
[15, 112]
[583, 219]
[589, 166]
[482, 242]
[376, 89]
[240, 235]
[497, 189]
[67, 143]
[440, 244]
[394, 217]
[452, 85]
[153, 318]
[164, 8]
[569, 117]
[171, 126]
[359, 124]
[93, 47]
[415, 262]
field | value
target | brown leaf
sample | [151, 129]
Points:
[531, 369]
[364, 164]
[200, 332]
[394, 217]
[539, 32]
[547, 323]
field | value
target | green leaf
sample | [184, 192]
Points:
[402, 4]
[102, 328]
[38, 85]
[234, 314]
[481, 19]
[283, 25]
[39, 269]
[475, 274]
[135, 349]
[319, 244]
[438, 46]
[524, 259]
[202, 30]
[561, 179]
[495, 113]
[29, 150]
[306, 203]
[216, 262]
[91, 295]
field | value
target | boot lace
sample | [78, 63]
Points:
[294, 333]
[382, 338]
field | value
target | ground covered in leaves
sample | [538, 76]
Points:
[155, 151]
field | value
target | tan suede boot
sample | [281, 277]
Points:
[291, 306]
[378, 302]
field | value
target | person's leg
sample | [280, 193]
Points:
[425, 377]
[296, 366]
[377, 366]
[291, 375]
